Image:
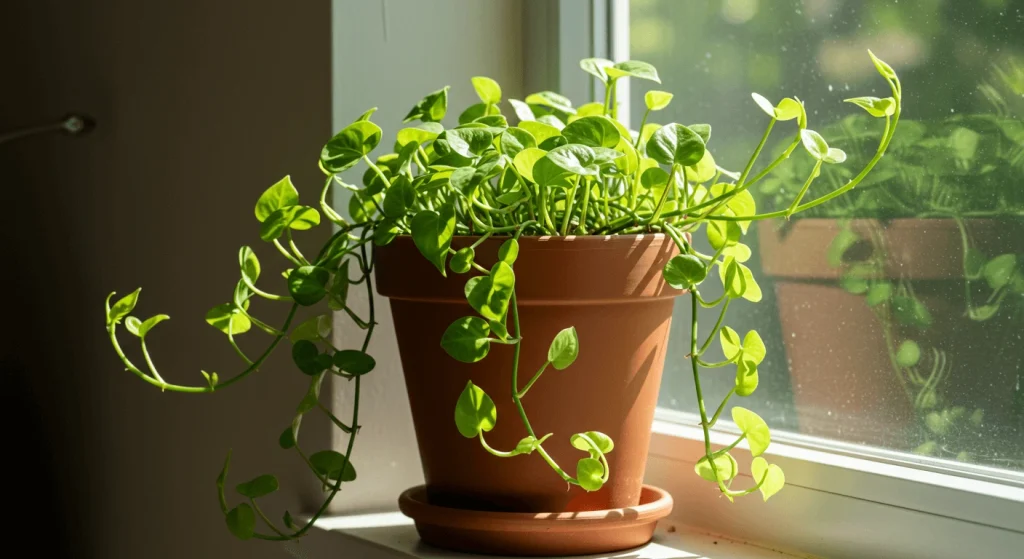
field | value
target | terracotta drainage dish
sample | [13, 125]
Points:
[611, 290]
[537, 534]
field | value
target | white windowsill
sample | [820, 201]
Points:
[391, 535]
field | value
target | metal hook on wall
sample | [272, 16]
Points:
[72, 125]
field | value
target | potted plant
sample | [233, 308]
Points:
[919, 264]
[553, 249]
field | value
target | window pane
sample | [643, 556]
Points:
[893, 316]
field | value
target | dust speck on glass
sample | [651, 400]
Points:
[894, 316]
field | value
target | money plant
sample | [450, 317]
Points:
[559, 170]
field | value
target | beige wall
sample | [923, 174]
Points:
[201, 105]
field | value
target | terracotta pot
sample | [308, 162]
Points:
[611, 290]
[843, 380]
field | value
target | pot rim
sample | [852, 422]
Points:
[655, 504]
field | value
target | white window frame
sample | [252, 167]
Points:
[840, 500]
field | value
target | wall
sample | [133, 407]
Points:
[201, 105]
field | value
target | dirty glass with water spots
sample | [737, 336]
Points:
[894, 316]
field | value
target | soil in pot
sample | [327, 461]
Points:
[838, 350]
[611, 290]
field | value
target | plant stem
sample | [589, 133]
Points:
[534, 379]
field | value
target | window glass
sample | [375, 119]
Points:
[893, 316]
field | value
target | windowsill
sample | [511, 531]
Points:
[391, 535]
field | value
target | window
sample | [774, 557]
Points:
[893, 315]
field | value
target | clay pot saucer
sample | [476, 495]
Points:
[536, 534]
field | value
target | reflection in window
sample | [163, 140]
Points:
[896, 313]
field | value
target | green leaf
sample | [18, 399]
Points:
[354, 362]
[308, 284]
[287, 438]
[491, 295]
[211, 379]
[842, 242]
[474, 411]
[361, 207]
[974, 263]
[528, 444]
[675, 144]
[431, 108]
[462, 260]
[834, 155]
[854, 283]
[769, 476]
[564, 348]
[508, 252]
[227, 318]
[122, 307]
[753, 347]
[751, 290]
[999, 271]
[514, 140]
[705, 170]
[723, 233]
[421, 134]
[552, 100]
[912, 312]
[574, 158]
[249, 264]
[657, 100]
[525, 160]
[730, 340]
[874, 106]
[814, 143]
[467, 339]
[258, 487]
[635, 69]
[540, 131]
[337, 289]
[553, 175]
[764, 103]
[241, 521]
[299, 218]
[596, 67]
[725, 464]
[399, 198]
[684, 271]
[523, 111]
[469, 142]
[592, 131]
[604, 442]
[280, 195]
[590, 474]
[878, 293]
[746, 377]
[333, 465]
[432, 234]
[790, 108]
[908, 354]
[314, 329]
[150, 322]
[349, 146]
[487, 90]
[983, 313]
[132, 325]
[884, 69]
[754, 428]
[307, 357]
[472, 113]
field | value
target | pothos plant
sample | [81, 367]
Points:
[960, 168]
[561, 170]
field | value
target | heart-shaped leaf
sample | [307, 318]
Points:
[431, 108]
[564, 348]
[227, 318]
[657, 100]
[908, 354]
[469, 142]
[508, 252]
[432, 234]
[308, 284]
[525, 160]
[150, 322]
[746, 377]
[878, 293]
[769, 476]
[814, 143]
[421, 134]
[730, 340]
[552, 100]
[241, 521]
[347, 147]
[258, 487]
[574, 158]
[725, 465]
[604, 442]
[354, 362]
[523, 111]
[590, 474]
[491, 295]
[592, 131]
[874, 106]
[999, 271]
[474, 411]
[635, 69]
[280, 195]
[122, 307]
[540, 131]
[462, 260]
[306, 357]
[467, 339]
[753, 347]
[514, 140]
[333, 465]
[684, 271]
[487, 90]
[132, 325]
[299, 218]
[754, 428]
[596, 67]
[675, 144]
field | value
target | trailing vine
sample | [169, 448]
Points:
[561, 170]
